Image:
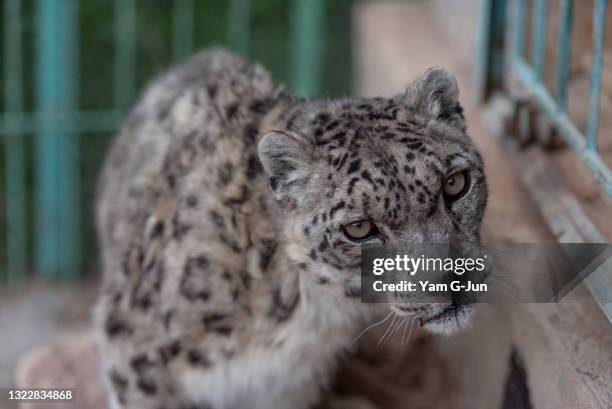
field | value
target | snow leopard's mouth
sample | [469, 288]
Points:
[452, 312]
[438, 318]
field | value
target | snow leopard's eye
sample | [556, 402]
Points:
[360, 230]
[456, 185]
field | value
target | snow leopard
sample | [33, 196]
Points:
[231, 215]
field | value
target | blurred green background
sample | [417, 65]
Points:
[115, 48]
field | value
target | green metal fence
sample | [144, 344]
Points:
[44, 145]
[504, 61]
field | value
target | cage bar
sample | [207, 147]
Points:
[538, 45]
[518, 28]
[567, 130]
[14, 145]
[517, 45]
[599, 29]
[57, 213]
[47, 258]
[238, 28]
[74, 122]
[308, 35]
[125, 52]
[69, 184]
[490, 55]
[563, 51]
[182, 29]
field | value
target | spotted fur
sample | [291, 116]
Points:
[227, 280]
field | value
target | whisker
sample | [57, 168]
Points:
[410, 332]
[397, 326]
[406, 322]
[370, 327]
[388, 329]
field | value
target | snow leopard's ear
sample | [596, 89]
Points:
[286, 158]
[436, 96]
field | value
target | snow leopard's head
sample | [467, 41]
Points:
[354, 171]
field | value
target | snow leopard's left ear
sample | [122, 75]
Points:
[286, 158]
[436, 96]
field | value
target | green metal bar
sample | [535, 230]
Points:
[538, 46]
[485, 35]
[567, 130]
[56, 150]
[599, 29]
[47, 257]
[72, 122]
[308, 35]
[518, 28]
[125, 47]
[69, 205]
[182, 29]
[563, 51]
[238, 28]
[517, 35]
[14, 146]
[490, 64]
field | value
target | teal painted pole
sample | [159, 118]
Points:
[57, 218]
[483, 49]
[599, 29]
[14, 149]
[238, 33]
[125, 47]
[45, 229]
[182, 29]
[70, 175]
[518, 29]
[563, 52]
[76, 122]
[490, 55]
[517, 34]
[561, 121]
[308, 35]
[538, 46]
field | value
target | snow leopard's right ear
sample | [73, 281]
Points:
[286, 158]
[436, 96]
